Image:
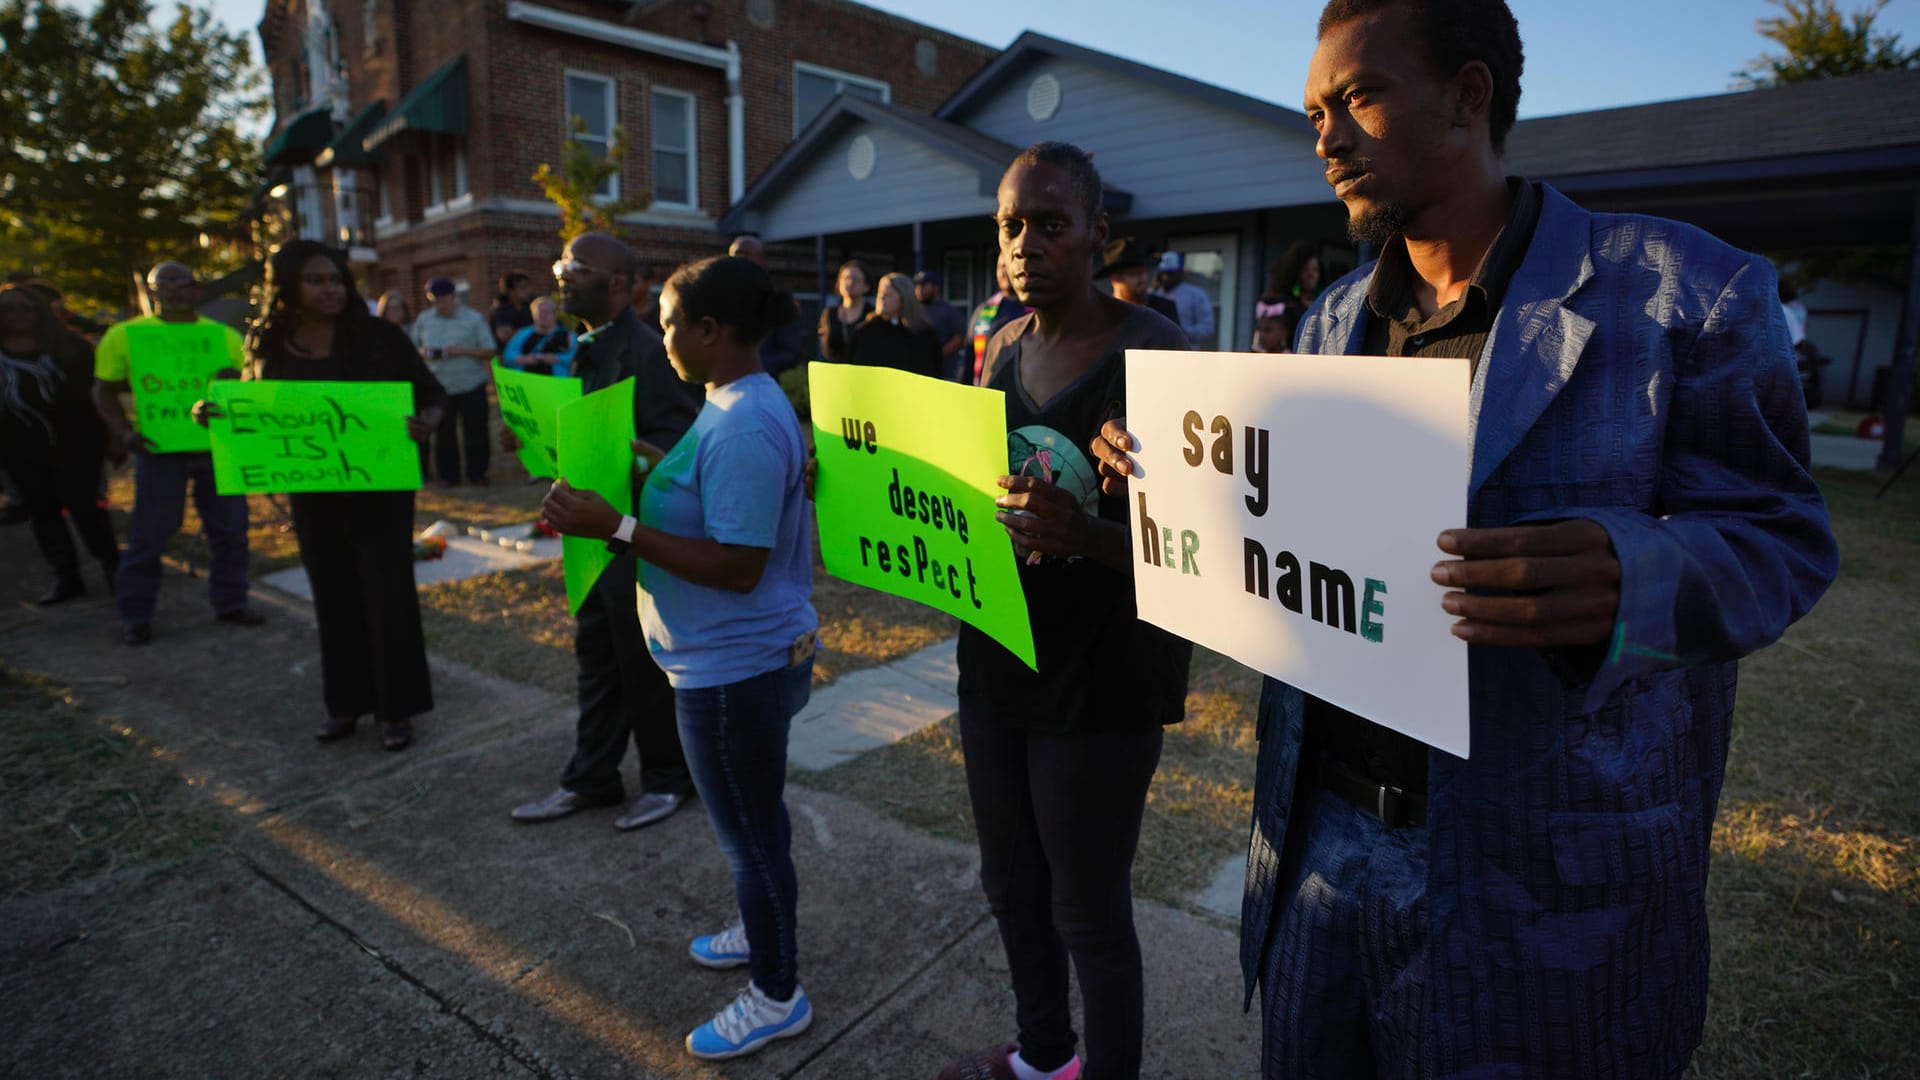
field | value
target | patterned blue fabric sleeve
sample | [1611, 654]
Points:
[1742, 546]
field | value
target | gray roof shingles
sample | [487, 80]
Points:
[1861, 112]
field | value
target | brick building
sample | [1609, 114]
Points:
[410, 132]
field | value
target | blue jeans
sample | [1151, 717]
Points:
[159, 505]
[735, 738]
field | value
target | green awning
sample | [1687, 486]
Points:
[303, 136]
[438, 103]
[345, 149]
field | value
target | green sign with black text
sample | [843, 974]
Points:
[169, 367]
[905, 494]
[295, 436]
[530, 406]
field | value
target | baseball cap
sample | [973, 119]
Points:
[926, 277]
[1173, 260]
[440, 286]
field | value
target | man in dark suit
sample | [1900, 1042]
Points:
[1639, 516]
[623, 693]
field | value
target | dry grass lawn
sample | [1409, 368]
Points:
[83, 794]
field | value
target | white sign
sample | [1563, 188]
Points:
[1286, 510]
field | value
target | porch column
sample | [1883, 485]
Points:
[1900, 377]
[919, 248]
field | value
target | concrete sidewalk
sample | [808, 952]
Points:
[377, 914]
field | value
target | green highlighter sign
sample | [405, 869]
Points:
[530, 406]
[312, 436]
[905, 494]
[594, 448]
[169, 367]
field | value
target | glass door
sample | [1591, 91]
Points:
[1213, 265]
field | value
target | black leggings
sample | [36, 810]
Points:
[65, 476]
[1059, 818]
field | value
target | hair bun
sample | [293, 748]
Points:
[777, 309]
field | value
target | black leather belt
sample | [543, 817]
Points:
[1396, 808]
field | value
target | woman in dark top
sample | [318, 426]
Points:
[1058, 761]
[837, 324]
[897, 334]
[357, 546]
[51, 440]
[1294, 279]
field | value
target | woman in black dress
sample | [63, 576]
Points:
[357, 546]
[837, 324]
[51, 440]
[897, 334]
[1059, 760]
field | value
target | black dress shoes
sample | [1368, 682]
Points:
[553, 807]
[336, 728]
[245, 616]
[63, 590]
[137, 633]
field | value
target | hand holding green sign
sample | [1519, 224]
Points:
[593, 448]
[905, 494]
[530, 406]
[296, 436]
[169, 366]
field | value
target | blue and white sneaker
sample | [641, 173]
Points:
[751, 1022]
[726, 949]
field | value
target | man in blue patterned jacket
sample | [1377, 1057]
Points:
[1639, 516]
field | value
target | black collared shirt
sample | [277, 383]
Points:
[1397, 328]
[663, 404]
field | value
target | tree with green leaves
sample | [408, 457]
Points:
[121, 141]
[1821, 43]
[583, 171]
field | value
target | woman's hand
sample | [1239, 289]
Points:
[203, 411]
[646, 458]
[1110, 449]
[419, 429]
[1042, 518]
[579, 513]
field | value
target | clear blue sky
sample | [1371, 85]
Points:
[1581, 54]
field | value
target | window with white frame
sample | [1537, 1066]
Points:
[436, 178]
[459, 170]
[383, 184]
[590, 102]
[446, 174]
[675, 180]
[815, 87]
[956, 279]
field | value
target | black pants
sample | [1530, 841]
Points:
[64, 476]
[466, 418]
[623, 694]
[1058, 818]
[358, 551]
